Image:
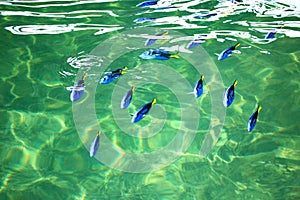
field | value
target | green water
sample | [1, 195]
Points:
[47, 45]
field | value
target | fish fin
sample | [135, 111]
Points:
[174, 56]
[98, 134]
[84, 76]
[237, 45]
[132, 88]
[131, 114]
[125, 68]
[217, 54]
[202, 77]
[153, 101]
[123, 72]
[259, 108]
[235, 82]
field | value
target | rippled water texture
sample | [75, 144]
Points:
[46, 46]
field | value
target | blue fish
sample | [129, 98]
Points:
[144, 19]
[140, 114]
[252, 120]
[147, 3]
[77, 91]
[204, 14]
[229, 95]
[152, 41]
[95, 145]
[110, 76]
[198, 89]
[158, 54]
[272, 33]
[127, 98]
[227, 52]
[195, 43]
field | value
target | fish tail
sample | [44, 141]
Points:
[132, 88]
[202, 77]
[98, 133]
[259, 108]
[84, 76]
[153, 101]
[125, 68]
[235, 82]
[237, 45]
[174, 56]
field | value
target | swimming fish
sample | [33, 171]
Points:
[229, 95]
[110, 76]
[147, 3]
[77, 91]
[95, 145]
[198, 89]
[227, 52]
[204, 14]
[140, 114]
[127, 98]
[152, 41]
[144, 19]
[195, 43]
[272, 33]
[158, 54]
[252, 120]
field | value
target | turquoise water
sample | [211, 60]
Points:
[45, 138]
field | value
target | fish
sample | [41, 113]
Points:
[77, 91]
[229, 95]
[204, 14]
[195, 43]
[110, 76]
[152, 41]
[252, 120]
[157, 54]
[144, 19]
[227, 52]
[142, 111]
[127, 98]
[95, 145]
[198, 89]
[272, 33]
[147, 3]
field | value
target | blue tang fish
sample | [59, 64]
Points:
[227, 52]
[127, 98]
[147, 3]
[198, 89]
[95, 145]
[140, 114]
[77, 91]
[272, 33]
[158, 54]
[152, 41]
[195, 43]
[252, 120]
[110, 76]
[144, 19]
[229, 94]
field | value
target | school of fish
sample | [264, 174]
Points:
[77, 91]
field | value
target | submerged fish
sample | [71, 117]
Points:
[229, 94]
[110, 76]
[140, 114]
[272, 33]
[157, 54]
[144, 19]
[204, 14]
[227, 52]
[195, 43]
[95, 145]
[198, 89]
[152, 41]
[147, 3]
[252, 120]
[77, 91]
[127, 98]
